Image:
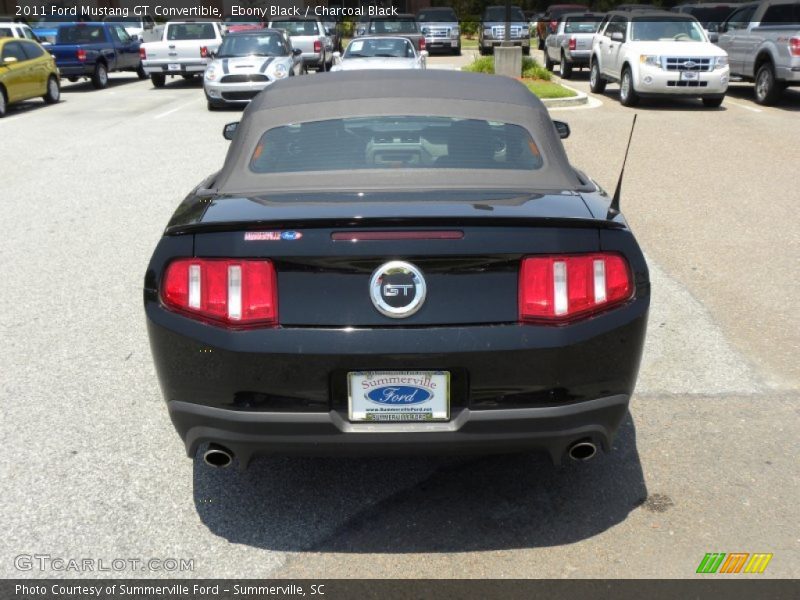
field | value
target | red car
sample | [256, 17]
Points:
[549, 21]
[234, 24]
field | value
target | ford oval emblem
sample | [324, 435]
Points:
[399, 395]
[291, 235]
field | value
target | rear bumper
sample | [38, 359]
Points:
[76, 70]
[578, 57]
[789, 75]
[186, 68]
[552, 429]
[284, 390]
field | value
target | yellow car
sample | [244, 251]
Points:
[26, 71]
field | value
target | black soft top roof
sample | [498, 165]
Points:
[396, 93]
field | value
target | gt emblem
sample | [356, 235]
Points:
[397, 289]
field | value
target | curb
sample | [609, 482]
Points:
[577, 100]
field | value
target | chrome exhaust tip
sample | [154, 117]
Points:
[217, 456]
[582, 451]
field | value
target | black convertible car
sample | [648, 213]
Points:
[370, 273]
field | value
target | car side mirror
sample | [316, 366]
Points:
[230, 130]
[723, 28]
[297, 51]
[424, 31]
[713, 27]
[618, 36]
[562, 129]
[713, 37]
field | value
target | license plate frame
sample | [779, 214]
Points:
[398, 397]
[690, 76]
[173, 67]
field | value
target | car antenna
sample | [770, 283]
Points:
[613, 209]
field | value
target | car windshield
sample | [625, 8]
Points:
[393, 26]
[385, 48]
[395, 142]
[498, 13]
[441, 15]
[297, 27]
[269, 44]
[581, 25]
[649, 30]
[190, 31]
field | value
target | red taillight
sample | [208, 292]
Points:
[203, 51]
[80, 54]
[317, 46]
[573, 43]
[794, 46]
[231, 292]
[142, 53]
[421, 44]
[557, 288]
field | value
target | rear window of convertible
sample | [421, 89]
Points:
[401, 142]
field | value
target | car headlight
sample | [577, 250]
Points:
[487, 32]
[721, 62]
[650, 60]
[280, 71]
[211, 73]
[455, 32]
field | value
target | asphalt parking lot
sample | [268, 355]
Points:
[706, 461]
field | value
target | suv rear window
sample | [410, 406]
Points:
[297, 27]
[395, 142]
[582, 24]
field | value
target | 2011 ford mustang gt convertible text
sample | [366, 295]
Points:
[370, 273]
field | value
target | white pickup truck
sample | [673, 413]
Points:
[763, 43]
[185, 49]
[657, 53]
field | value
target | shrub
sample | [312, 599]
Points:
[530, 68]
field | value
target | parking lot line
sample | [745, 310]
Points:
[174, 110]
[744, 106]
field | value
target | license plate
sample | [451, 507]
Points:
[399, 396]
[454, 43]
[689, 76]
[173, 67]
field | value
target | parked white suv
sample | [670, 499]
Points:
[657, 53]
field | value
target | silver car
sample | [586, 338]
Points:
[571, 44]
[246, 63]
[309, 35]
[379, 53]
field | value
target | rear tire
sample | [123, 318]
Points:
[158, 80]
[627, 93]
[100, 76]
[596, 82]
[767, 89]
[566, 68]
[53, 93]
[712, 102]
[72, 79]
[140, 72]
[3, 103]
